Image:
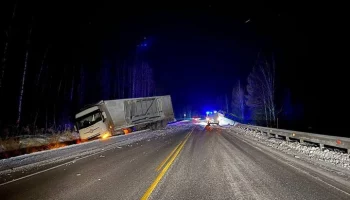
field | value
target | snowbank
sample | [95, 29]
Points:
[311, 151]
[225, 121]
[26, 141]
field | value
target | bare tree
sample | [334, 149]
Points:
[141, 80]
[261, 92]
[24, 75]
[220, 103]
[237, 104]
[123, 80]
[42, 66]
[72, 86]
[132, 81]
[226, 103]
[148, 81]
[81, 86]
[255, 97]
[7, 41]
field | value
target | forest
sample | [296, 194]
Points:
[43, 83]
[260, 100]
[54, 64]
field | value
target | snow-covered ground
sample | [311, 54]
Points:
[71, 152]
[305, 150]
[26, 141]
[225, 121]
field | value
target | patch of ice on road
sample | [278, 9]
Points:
[311, 151]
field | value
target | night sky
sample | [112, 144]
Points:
[199, 51]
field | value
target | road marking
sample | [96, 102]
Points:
[167, 158]
[165, 169]
[188, 135]
[160, 166]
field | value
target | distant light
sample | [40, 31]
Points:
[207, 112]
[215, 111]
[145, 45]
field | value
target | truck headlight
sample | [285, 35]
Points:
[106, 135]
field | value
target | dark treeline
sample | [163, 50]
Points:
[48, 72]
[260, 99]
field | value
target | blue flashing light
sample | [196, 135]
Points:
[207, 112]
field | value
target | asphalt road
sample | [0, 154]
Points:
[190, 164]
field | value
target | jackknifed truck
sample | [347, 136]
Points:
[120, 116]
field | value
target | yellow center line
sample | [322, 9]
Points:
[171, 153]
[167, 158]
[165, 169]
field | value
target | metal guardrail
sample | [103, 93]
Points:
[321, 140]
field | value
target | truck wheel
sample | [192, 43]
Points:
[162, 124]
[153, 126]
[127, 131]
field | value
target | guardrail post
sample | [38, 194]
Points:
[268, 133]
[321, 146]
[276, 135]
[348, 151]
[287, 138]
[301, 140]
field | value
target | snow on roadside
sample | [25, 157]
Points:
[313, 152]
[37, 159]
[27, 141]
[225, 121]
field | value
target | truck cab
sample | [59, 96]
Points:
[92, 123]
